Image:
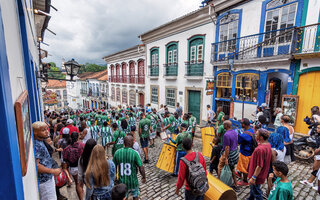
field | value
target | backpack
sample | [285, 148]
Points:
[254, 141]
[72, 154]
[197, 178]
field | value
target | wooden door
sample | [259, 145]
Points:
[141, 97]
[309, 96]
[194, 102]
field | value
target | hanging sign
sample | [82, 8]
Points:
[210, 85]
[209, 93]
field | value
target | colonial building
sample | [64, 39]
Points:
[306, 82]
[21, 30]
[127, 76]
[58, 88]
[93, 89]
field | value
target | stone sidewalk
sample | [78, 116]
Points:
[161, 185]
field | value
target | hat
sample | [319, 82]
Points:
[245, 121]
[69, 121]
[263, 105]
[65, 131]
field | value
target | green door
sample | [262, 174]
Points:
[194, 104]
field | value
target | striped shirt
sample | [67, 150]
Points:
[132, 121]
[106, 135]
[94, 130]
[127, 162]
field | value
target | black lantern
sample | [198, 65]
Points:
[72, 68]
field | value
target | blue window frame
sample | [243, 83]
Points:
[227, 33]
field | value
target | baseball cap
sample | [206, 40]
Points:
[65, 131]
[69, 121]
[245, 121]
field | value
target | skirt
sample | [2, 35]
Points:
[243, 163]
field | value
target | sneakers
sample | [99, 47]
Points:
[306, 182]
[146, 161]
[242, 183]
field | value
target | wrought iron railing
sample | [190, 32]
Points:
[194, 68]
[170, 69]
[153, 70]
[273, 43]
[133, 79]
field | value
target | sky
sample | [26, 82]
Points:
[87, 30]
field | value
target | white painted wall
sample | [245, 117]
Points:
[313, 12]
[309, 63]
[9, 13]
[181, 82]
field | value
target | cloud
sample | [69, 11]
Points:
[87, 30]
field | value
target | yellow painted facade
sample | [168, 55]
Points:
[309, 96]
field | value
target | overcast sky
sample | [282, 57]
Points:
[87, 30]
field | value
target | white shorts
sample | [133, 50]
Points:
[153, 135]
[47, 190]
[73, 171]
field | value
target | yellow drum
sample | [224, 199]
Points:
[218, 190]
[207, 135]
[166, 158]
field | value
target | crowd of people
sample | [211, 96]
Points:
[98, 149]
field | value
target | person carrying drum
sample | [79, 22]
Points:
[168, 124]
[180, 151]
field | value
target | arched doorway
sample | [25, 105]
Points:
[141, 99]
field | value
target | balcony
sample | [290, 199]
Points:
[129, 79]
[273, 45]
[170, 70]
[194, 69]
[153, 70]
[83, 91]
[308, 42]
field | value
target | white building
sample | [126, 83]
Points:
[59, 88]
[73, 91]
[127, 76]
[93, 90]
[178, 57]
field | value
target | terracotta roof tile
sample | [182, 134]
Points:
[94, 75]
[56, 84]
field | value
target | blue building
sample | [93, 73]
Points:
[21, 30]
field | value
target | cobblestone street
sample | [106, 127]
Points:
[161, 185]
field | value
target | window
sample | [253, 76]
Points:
[196, 51]
[250, 87]
[64, 94]
[279, 18]
[171, 97]
[228, 33]
[224, 85]
[172, 53]
[113, 94]
[124, 97]
[59, 104]
[58, 94]
[154, 94]
[132, 100]
[155, 56]
[118, 95]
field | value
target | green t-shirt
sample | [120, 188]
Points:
[132, 121]
[219, 118]
[104, 118]
[170, 120]
[144, 125]
[99, 120]
[221, 132]
[153, 118]
[281, 191]
[127, 162]
[118, 138]
[179, 139]
[74, 118]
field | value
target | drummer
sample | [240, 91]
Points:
[180, 151]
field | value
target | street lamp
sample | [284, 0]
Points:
[72, 68]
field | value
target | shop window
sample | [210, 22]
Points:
[154, 94]
[171, 97]
[224, 85]
[250, 87]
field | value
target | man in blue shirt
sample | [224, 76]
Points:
[246, 142]
[46, 173]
